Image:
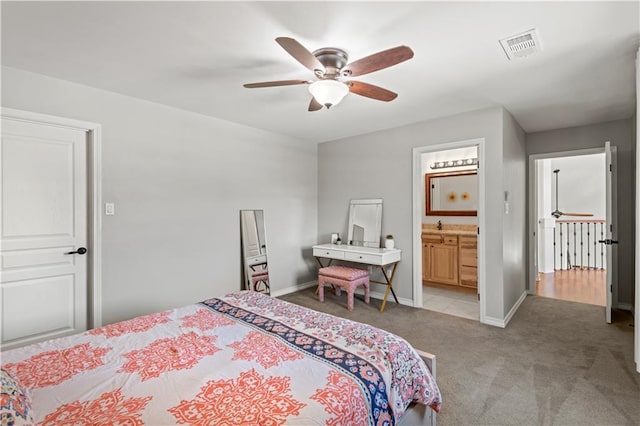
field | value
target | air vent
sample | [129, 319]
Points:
[521, 45]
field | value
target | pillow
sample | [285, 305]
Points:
[15, 402]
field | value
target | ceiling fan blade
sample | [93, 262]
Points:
[371, 91]
[377, 61]
[314, 105]
[578, 214]
[300, 53]
[275, 83]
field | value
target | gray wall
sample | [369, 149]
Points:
[621, 134]
[178, 180]
[514, 225]
[379, 165]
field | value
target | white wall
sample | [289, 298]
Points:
[379, 165]
[581, 184]
[178, 180]
[514, 213]
[620, 134]
[451, 154]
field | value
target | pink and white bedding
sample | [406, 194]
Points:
[245, 358]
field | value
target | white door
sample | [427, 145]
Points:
[610, 159]
[43, 182]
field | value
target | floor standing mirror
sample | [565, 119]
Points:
[254, 251]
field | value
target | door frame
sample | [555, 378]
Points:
[418, 193]
[94, 202]
[532, 237]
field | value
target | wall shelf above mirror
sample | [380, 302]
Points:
[452, 193]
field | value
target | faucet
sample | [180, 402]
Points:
[439, 226]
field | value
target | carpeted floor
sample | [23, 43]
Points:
[556, 363]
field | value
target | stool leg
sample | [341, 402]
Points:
[321, 290]
[366, 291]
[350, 292]
[337, 288]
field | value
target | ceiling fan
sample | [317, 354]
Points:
[557, 213]
[331, 65]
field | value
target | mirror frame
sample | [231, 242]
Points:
[427, 190]
[377, 202]
[248, 261]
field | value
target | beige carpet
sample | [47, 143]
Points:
[556, 363]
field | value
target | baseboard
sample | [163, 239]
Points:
[359, 290]
[515, 307]
[624, 307]
[496, 322]
[502, 323]
[377, 295]
[294, 288]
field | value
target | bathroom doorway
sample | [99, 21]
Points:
[448, 210]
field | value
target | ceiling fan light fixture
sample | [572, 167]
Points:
[328, 92]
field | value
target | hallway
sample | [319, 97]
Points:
[575, 285]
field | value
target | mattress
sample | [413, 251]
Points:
[245, 358]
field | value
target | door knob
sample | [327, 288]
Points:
[81, 250]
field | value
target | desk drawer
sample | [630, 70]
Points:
[330, 253]
[362, 258]
[256, 260]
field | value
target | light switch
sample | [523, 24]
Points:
[109, 209]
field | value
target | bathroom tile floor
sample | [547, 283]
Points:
[451, 302]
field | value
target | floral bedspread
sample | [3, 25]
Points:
[245, 358]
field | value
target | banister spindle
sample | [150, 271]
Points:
[588, 246]
[601, 246]
[561, 263]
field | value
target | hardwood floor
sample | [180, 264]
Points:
[576, 285]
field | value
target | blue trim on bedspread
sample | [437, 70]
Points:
[350, 364]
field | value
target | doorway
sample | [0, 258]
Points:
[51, 236]
[572, 209]
[448, 273]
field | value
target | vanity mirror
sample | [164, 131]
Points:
[254, 251]
[365, 222]
[452, 193]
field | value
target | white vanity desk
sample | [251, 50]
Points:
[384, 258]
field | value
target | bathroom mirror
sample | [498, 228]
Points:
[254, 251]
[452, 193]
[365, 222]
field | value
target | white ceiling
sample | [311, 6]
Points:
[196, 56]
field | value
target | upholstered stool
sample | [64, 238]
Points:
[260, 276]
[343, 277]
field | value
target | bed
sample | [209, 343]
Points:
[245, 358]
